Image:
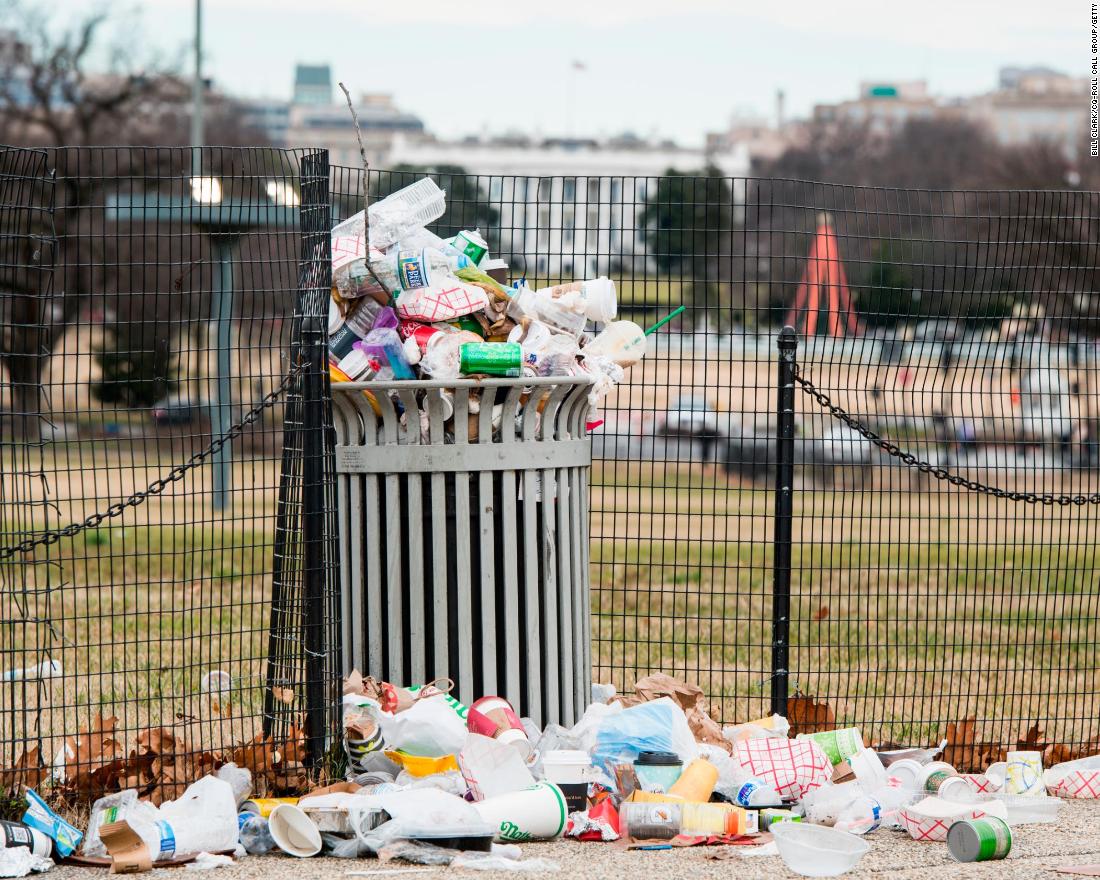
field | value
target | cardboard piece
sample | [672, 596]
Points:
[128, 852]
[335, 788]
[843, 772]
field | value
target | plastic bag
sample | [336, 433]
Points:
[204, 817]
[428, 728]
[656, 726]
[417, 853]
[414, 813]
[342, 847]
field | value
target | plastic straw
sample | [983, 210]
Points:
[664, 321]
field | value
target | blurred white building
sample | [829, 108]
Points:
[570, 205]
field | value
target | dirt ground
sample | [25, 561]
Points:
[1037, 850]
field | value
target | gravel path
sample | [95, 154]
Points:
[1037, 849]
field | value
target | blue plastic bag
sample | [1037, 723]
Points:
[656, 726]
[66, 837]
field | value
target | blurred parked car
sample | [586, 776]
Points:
[690, 417]
[177, 409]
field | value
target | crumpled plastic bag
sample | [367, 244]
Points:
[19, 861]
[428, 728]
[487, 861]
[657, 726]
[205, 861]
[689, 697]
[413, 813]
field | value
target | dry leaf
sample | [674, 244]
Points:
[806, 716]
[284, 695]
[28, 770]
[1032, 740]
[821, 613]
[961, 751]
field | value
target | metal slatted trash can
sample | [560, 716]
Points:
[463, 511]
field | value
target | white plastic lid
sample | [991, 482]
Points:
[492, 263]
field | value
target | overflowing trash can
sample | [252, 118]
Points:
[463, 530]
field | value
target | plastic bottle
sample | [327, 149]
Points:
[255, 834]
[697, 781]
[757, 793]
[862, 815]
[401, 212]
[386, 348]
[409, 270]
[663, 821]
[527, 303]
[622, 341]
[354, 328]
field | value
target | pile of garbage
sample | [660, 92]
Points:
[431, 780]
[408, 304]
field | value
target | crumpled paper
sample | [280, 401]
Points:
[689, 697]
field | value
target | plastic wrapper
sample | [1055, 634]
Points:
[477, 861]
[343, 847]
[417, 813]
[441, 302]
[416, 852]
[428, 728]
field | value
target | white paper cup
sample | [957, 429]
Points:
[535, 813]
[1024, 773]
[13, 834]
[907, 771]
[294, 832]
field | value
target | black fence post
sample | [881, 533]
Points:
[784, 517]
[317, 625]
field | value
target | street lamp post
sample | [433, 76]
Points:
[224, 222]
[197, 133]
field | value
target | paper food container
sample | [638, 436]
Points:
[931, 818]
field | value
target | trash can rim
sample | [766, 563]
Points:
[421, 384]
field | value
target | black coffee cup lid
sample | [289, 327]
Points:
[658, 758]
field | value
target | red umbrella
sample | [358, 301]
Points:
[823, 302]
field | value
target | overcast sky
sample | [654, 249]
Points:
[677, 68]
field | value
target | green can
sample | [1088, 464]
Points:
[979, 840]
[471, 244]
[770, 816]
[491, 358]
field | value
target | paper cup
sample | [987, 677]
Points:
[294, 832]
[13, 834]
[1024, 773]
[838, 745]
[569, 770]
[907, 771]
[535, 813]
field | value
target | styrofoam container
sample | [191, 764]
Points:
[1029, 809]
[570, 766]
[814, 851]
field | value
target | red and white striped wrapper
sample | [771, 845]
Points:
[926, 828]
[980, 783]
[1078, 784]
[444, 302]
[793, 767]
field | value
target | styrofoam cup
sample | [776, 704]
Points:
[535, 813]
[294, 832]
[600, 301]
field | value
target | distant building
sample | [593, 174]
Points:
[569, 205]
[883, 106]
[1036, 104]
[312, 84]
[313, 119]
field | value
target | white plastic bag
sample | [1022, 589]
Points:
[429, 728]
[204, 818]
[414, 813]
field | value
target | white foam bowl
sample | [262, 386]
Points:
[816, 851]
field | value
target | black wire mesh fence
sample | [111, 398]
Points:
[961, 326]
[154, 300]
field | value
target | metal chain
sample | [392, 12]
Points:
[925, 467]
[159, 485]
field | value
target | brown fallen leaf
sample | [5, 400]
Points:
[821, 613]
[807, 716]
[1032, 740]
[28, 771]
[961, 751]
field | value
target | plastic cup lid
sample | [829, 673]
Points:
[567, 756]
[658, 758]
